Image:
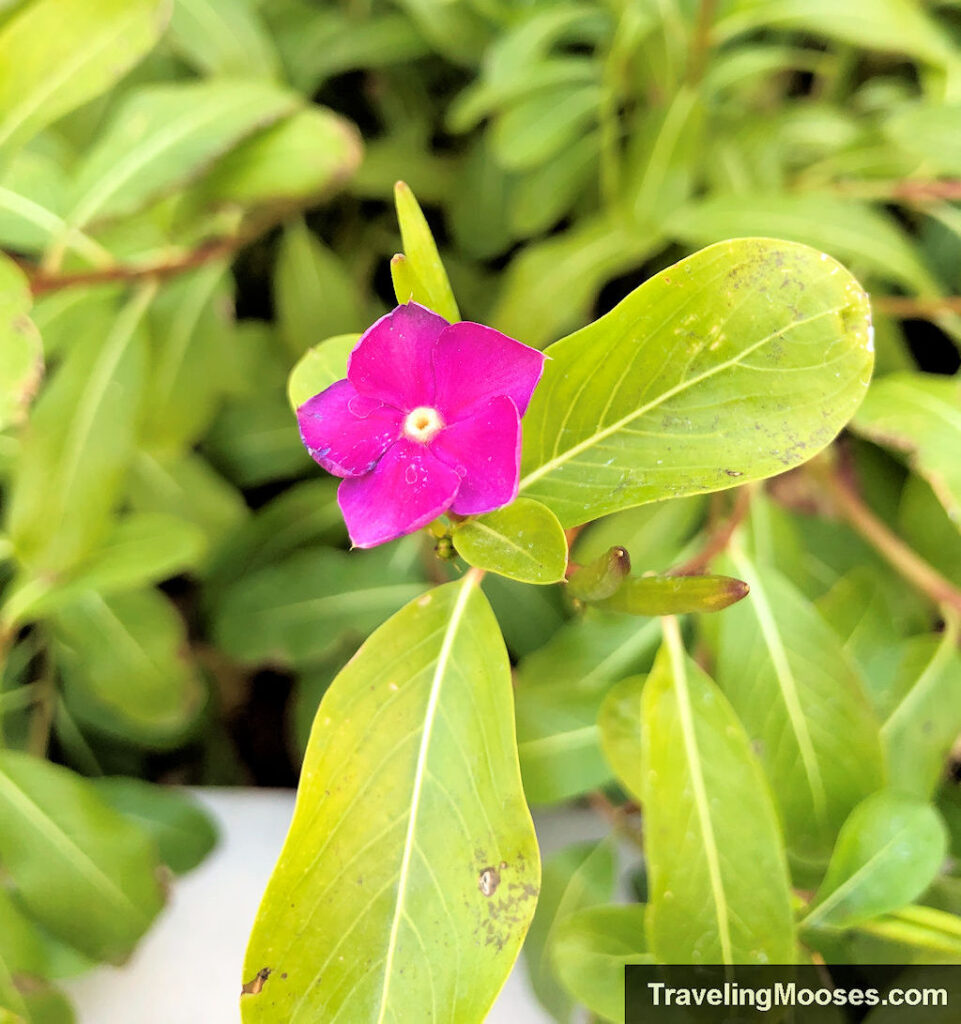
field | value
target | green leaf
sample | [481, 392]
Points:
[190, 322]
[143, 548]
[577, 877]
[298, 609]
[602, 577]
[707, 813]
[421, 253]
[675, 595]
[21, 351]
[528, 616]
[80, 440]
[639, 406]
[297, 161]
[559, 692]
[523, 541]
[926, 132]
[319, 367]
[590, 950]
[920, 414]
[124, 668]
[888, 852]
[803, 706]
[164, 135]
[84, 872]
[925, 720]
[314, 293]
[183, 831]
[223, 38]
[856, 233]
[421, 905]
[57, 54]
[619, 724]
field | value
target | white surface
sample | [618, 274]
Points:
[187, 969]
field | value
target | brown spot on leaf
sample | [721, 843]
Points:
[488, 881]
[256, 984]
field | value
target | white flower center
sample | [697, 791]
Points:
[423, 423]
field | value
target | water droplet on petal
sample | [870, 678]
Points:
[410, 474]
[460, 470]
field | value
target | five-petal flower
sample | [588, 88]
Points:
[426, 421]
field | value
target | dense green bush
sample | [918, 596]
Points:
[195, 195]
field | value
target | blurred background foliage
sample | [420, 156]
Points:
[193, 194]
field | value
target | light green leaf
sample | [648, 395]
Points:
[421, 253]
[737, 363]
[707, 813]
[299, 160]
[319, 367]
[164, 135]
[674, 595]
[869, 241]
[523, 541]
[888, 852]
[144, 547]
[183, 831]
[590, 950]
[925, 720]
[577, 877]
[223, 37]
[419, 907]
[559, 692]
[21, 351]
[803, 706]
[190, 322]
[619, 724]
[927, 132]
[80, 440]
[601, 577]
[920, 414]
[29, 226]
[298, 609]
[84, 872]
[57, 54]
[124, 666]
[313, 290]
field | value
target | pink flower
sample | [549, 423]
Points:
[427, 420]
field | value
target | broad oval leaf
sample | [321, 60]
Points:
[319, 367]
[888, 852]
[707, 813]
[920, 414]
[523, 541]
[57, 54]
[735, 364]
[21, 352]
[803, 705]
[410, 872]
[592, 947]
[83, 871]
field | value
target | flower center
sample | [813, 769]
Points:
[423, 423]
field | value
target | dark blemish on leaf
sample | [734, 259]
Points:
[503, 864]
[733, 472]
[283, 977]
[488, 881]
[256, 984]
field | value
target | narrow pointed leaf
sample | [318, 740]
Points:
[410, 872]
[619, 724]
[319, 367]
[421, 253]
[523, 541]
[887, 854]
[21, 351]
[602, 577]
[708, 812]
[737, 363]
[675, 595]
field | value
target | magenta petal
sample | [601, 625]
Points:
[392, 361]
[473, 364]
[409, 488]
[345, 432]
[484, 449]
